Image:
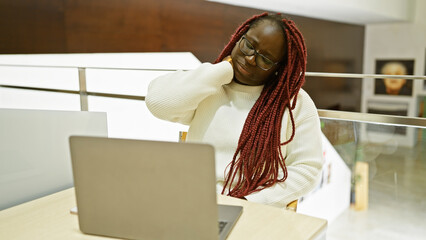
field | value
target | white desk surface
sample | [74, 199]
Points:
[49, 218]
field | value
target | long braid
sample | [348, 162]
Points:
[258, 158]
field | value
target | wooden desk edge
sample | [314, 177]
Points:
[58, 205]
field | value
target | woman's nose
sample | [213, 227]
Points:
[251, 59]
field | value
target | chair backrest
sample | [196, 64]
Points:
[182, 136]
[292, 206]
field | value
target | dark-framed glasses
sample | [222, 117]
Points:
[261, 61]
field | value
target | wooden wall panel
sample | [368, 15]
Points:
[113, 26]
[28, 26]
[197, 26]
[151, 26]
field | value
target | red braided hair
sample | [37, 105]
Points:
[258, 157]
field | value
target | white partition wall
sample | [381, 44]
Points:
[34, 151]
[332, 195]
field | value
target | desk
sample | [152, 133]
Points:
[49, 218]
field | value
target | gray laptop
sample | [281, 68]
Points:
[138, 189]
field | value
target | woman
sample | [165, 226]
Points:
[249, 105]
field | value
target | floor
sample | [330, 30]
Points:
[397, 199]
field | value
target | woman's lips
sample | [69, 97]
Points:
[242, 69]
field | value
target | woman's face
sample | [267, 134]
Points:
[267, 39]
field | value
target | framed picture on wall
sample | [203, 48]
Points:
[394, 86]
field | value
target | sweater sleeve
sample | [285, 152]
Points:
[303, 160]
[175, 96]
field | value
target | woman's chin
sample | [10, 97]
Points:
[239, 82]
[241, 79]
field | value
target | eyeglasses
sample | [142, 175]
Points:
[261, 61]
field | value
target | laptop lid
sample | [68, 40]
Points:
[140, 189]
[34, 150]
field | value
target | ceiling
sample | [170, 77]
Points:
[360, 12]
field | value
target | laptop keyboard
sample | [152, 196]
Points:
[222, 225]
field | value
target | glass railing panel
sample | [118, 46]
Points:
[388, 182]
[40, 77]
[124, 82]
[33, 99]
[129, 118]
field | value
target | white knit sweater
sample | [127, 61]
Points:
[216, 108]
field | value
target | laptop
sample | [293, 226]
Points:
[137, 189]
[34, 150]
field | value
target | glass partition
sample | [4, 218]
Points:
[125, 82]
[35, 99]
[40, 77]
[388, 180]
[129, 118]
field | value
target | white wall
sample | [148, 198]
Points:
[396, 41]
[34, 151]
[403, 41]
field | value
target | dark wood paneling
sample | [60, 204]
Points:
[151, 26]
[77, 26]
[113, 26]
[197, 26]
[29, 26]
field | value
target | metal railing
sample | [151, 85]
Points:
[325, 114]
